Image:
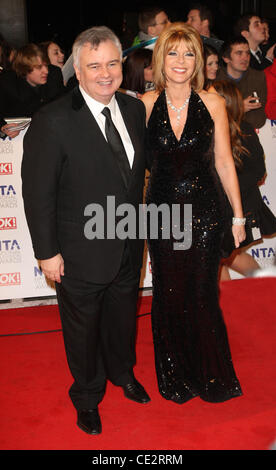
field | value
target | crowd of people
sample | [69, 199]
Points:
[247, 58]
[190, 120]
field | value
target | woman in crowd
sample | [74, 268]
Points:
[30, 84]
[249, 160]
[191, 167]
[137, 72]
[211, 65]
[53, 52]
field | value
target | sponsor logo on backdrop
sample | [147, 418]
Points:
[6, 146]
[10, 279]
[273, 128]
[8, 223]
[40, 281]
[266, 200]
[6, 168]
[8, 198]
[10, 251]
[265, 256]
[262, 252]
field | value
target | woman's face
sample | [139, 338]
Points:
[179, 64]
[212, 67]
[55, 55]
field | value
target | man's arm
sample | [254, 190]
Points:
[41, 169]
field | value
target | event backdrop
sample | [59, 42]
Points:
[20, 276]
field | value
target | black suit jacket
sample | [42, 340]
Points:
[68, 165]
[254, 64]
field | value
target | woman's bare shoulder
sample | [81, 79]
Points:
[149, 99]
[213, 102]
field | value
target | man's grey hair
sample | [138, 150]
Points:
[94, 36]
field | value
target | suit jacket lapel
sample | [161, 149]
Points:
[87, 122]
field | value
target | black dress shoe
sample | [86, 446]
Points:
[136, 392]
[89, 421]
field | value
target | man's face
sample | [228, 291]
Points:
[194, 20]
[100, 70]
[39, 74]
[239, 59]
[160, 22]
[256, 30]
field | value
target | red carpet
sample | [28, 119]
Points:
[36, 412]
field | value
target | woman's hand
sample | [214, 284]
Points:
[239, 235]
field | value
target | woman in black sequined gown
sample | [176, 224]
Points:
[191, 163]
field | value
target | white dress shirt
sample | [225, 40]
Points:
[96, 109]
[256, 55]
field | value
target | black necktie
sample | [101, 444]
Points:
[117, 147]
[259, 55]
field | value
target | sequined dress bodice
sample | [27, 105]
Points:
[182, 170]
[192, 354]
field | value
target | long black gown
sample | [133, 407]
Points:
[192, 354]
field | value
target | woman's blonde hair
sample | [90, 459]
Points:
[170, 38]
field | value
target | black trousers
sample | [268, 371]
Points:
[99, 329]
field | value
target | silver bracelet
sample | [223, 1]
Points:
[238, 220]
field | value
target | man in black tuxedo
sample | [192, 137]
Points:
[73, 162]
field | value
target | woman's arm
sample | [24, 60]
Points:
[224, 161]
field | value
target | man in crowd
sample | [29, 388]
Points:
[78, 150]
[252, 29]
[27, 86]
[151, 23]
[236, 55]
[200, 17]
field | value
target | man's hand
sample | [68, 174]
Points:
[270, 52]
[53, 268]
[248, 106]
[9, 133]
